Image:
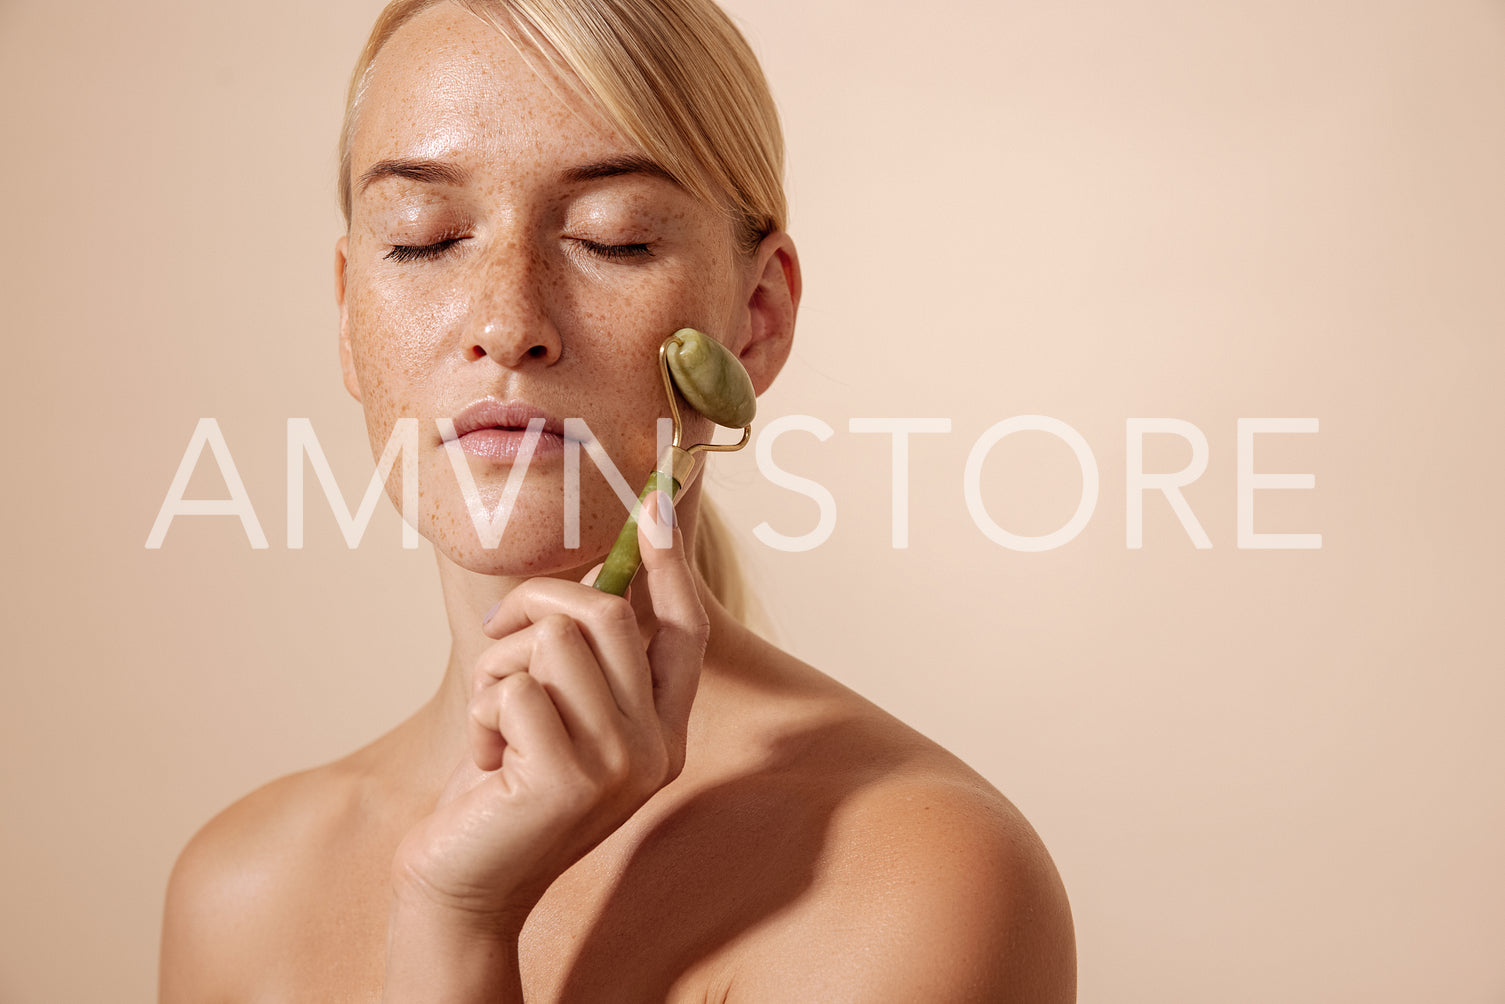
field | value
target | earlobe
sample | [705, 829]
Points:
[347, 359]
[772, 306]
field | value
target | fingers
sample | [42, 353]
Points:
[678, 646]
[586, 652]
[554, 653]
[518, 708]
[606, 622]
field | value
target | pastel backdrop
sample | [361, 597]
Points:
[1265, 774]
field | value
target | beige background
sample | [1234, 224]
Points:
[1265, 775]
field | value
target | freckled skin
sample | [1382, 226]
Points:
[813, 848]
[519, 309]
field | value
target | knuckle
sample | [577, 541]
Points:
[487, 669]
[616, 762]
[614, 613]
[555, 628]
[513, 687]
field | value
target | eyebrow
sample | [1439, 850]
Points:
[431, 172]
[614, 167]
[437, 172]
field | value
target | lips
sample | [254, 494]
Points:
[496, 429]
[490, 414]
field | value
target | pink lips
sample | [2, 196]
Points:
[496, 429]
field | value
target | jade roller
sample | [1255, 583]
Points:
[711, 381]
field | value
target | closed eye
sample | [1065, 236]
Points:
[616, 252]
[421, 252]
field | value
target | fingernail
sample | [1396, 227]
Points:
[491, 613]
[663, 509]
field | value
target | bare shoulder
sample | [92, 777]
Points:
[229, 896]
[930, 884]
[935, 888]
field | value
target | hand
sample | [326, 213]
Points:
[574, 724]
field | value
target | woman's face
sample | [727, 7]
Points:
[506, 245]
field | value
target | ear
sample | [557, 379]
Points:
[347, 360]
[771, 306]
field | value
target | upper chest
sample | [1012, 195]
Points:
[661, 911]
[655, 914]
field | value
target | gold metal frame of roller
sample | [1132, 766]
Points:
[669, 391]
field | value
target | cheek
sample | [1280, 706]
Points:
[396, 339]
[619, 363]
[647, 314]
[395, 342]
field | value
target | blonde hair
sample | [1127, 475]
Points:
[676, 78]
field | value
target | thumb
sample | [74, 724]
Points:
[679, 643]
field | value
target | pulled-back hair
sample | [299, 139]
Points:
[675, 77]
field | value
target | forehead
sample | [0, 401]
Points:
[447, 85]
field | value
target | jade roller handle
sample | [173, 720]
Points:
[625, 557]
[714, 383]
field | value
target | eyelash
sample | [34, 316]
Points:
[421, 252]
[428, 252]
[616, 252]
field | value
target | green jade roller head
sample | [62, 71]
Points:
[711, 381]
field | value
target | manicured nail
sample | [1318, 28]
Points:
[663, 509]
[491, 613]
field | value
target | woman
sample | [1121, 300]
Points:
[607, 799]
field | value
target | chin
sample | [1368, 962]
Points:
[529, 547]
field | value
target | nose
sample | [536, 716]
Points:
[510, 322]
[514, 347]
